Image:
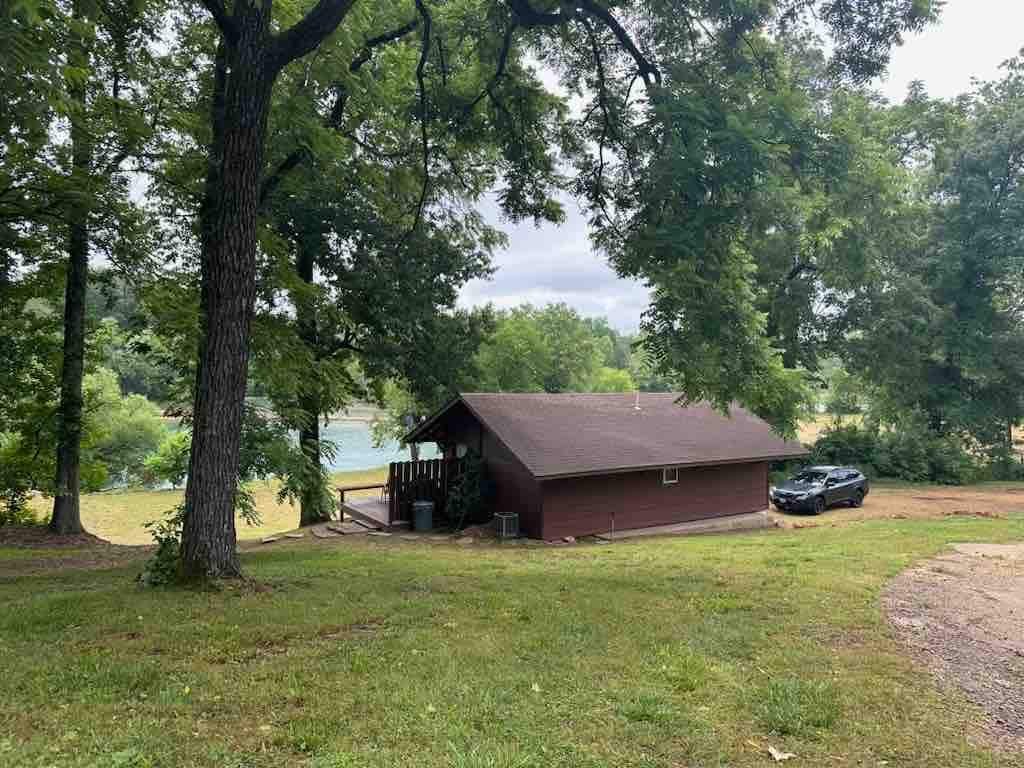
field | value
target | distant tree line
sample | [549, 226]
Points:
[536, 349]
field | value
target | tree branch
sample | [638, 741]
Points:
[527, 16]
[499, 72]
[606, 123]
[215, 155]
[286, 166]
[799, 268]
[650, 73]
[421, 81]
[224, 22]
[306, 34]
[331, 348]
[333, 120]
[375, 42]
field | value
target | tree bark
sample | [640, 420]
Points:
[228, 295]
[66, 517]
[247, 68]
[313, 505]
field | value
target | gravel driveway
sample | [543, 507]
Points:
[962, 615]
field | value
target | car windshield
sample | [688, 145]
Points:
[814, 477]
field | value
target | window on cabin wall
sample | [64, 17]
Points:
[670, 476]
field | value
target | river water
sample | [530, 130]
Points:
[354, 448]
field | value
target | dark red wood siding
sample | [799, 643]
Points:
[584, 505]
[516, 490]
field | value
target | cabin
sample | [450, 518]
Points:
[580, 464]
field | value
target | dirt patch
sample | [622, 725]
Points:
[39, 536]
[58, 552]
[990, 500]
[962, 615]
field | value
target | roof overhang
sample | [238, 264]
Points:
[685, 465]
[418, 434]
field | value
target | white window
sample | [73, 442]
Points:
[670, 476]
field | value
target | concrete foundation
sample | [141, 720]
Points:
[750, 521]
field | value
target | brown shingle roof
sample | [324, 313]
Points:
[583, 434]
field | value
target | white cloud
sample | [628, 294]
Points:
[550, 264]
[972, 38]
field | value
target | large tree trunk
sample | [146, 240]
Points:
[228, 294]
[66, 517]
[314, 506]
[245, 72]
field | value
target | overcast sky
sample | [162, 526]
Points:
[556, 263]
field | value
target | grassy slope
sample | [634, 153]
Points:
[670, 652]
[119, 516]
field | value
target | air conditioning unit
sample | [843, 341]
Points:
[506, 525]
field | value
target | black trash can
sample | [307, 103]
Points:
[423, 515]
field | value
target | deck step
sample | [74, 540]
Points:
[372, 514]
[347, 528]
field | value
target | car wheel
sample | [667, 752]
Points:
[858, 499]
[819, 505]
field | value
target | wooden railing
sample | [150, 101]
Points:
[410, 481]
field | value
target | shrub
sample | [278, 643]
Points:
[164, 566]
[470, 494]
[794, 706]
[780, 471]
[120, 432]
[949, 462]
[915, 453]
[1004, 464]
[169, 462]
[904, 455]
[14, 508]
[850, 445]
[909, 451]
[15, 482]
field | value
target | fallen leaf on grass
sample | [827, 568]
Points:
[778, 755]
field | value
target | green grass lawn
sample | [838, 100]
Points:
[381, 652]
[120, 516]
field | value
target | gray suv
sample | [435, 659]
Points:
[815, 488]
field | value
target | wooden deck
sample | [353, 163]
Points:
[373, 511]
[408, 481]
